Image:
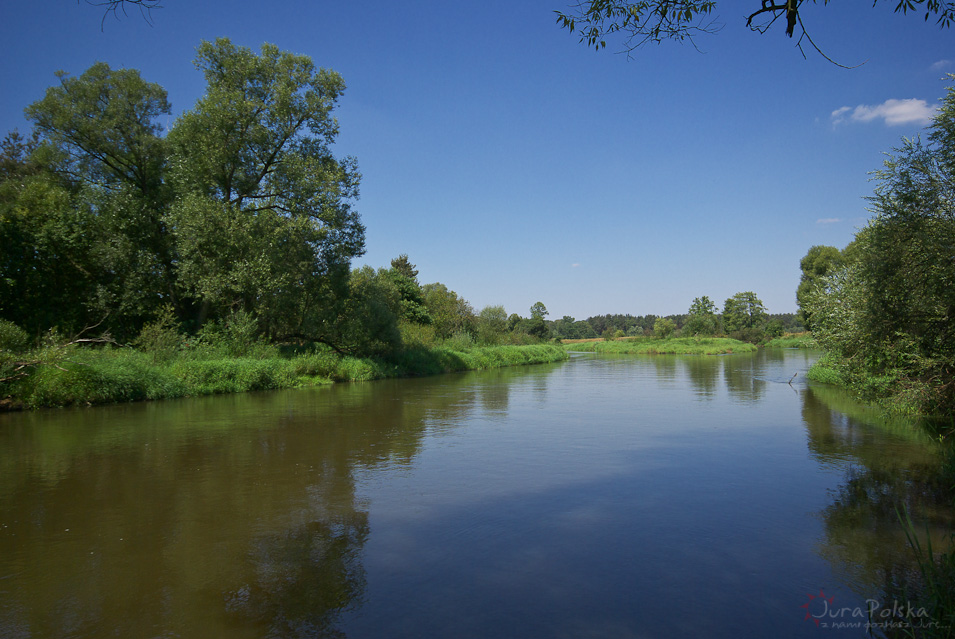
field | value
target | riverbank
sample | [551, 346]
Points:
[898, 391]
[84, 376]
[671, 346]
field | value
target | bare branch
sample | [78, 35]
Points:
[805, 34]
[116, 6]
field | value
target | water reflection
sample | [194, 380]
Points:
[605, 496]
[888, 466]
[187, 517]
[743, 379]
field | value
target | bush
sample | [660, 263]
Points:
[12, 337]
[774, 329]
[417, 335]
[663, 328]
[751, 335]
[235, 336]
[459, 341]
[161, 338]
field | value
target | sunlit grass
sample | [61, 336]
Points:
[110, 375]
[675, 346]
[800, 340]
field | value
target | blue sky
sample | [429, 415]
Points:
[515, 165]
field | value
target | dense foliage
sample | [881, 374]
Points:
[887, 317]
[240, 208]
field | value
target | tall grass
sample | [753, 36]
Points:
[81, 376]
[934, 594]
[676, 346]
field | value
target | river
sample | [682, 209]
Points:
[605, 496]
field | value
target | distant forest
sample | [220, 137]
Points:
[636, 325]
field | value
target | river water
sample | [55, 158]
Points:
[617, 497]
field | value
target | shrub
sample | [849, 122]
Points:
[663, 327]
[417, 335]
[161, 338]
[460, 341]
[12, 337]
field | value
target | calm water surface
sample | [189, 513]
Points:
[608, 497]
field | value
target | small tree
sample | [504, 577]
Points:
[449, 313]
[701, 318]
[663, 327]
[537, 326]
[743, 311]
[492, 324]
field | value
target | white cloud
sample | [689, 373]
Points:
[828, 220]
[575, 265]
[893, 112]
[941, 64]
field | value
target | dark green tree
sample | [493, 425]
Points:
[403, 265]
[101, 149]
[743, 311]
[404, 275]
[537, 326]
[701, 318]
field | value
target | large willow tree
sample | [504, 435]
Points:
[241, 207]
[262, 215]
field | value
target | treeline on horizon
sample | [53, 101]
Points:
[617, 325]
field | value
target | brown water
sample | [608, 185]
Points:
[602, 497]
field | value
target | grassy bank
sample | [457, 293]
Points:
[896, 391]
[676, 346]
[800, 340]
[83, 376]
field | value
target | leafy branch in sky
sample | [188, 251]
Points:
[653, 21]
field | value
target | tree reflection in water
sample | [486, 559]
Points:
[865, 541]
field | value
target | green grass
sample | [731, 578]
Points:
[826, 371]
[803, 340]
[80, 376]
[676, 346]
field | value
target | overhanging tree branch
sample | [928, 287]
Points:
[119, 6]
[681, 20]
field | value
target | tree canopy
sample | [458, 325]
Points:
[743, 311]
[819, 262]
[701, 318]
[242, 207]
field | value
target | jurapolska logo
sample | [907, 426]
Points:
[821, 610]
